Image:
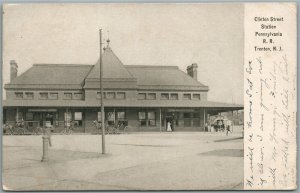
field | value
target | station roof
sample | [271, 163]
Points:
[52, 76]
[163, 76]
[72, 76]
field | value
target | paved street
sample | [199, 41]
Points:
[140, 161]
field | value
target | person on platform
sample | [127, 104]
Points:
[169, 129]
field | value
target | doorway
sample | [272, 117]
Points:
[49, 118]
[170, 121]
[44, 117]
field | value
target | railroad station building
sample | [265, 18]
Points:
[143, 97]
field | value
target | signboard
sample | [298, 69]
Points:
[42, 110]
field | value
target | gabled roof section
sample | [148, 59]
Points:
[163, 76]
[113, 68]
[52, 76]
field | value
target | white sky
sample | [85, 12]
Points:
[141, 34]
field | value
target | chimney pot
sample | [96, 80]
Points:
[192, 71]
[13, 70]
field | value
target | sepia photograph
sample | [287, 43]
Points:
[122, 96]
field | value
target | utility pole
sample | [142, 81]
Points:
[101, 93]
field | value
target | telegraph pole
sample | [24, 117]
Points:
[101, 93]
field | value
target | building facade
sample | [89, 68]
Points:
[146, 98]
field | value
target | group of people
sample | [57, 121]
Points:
[222, 125]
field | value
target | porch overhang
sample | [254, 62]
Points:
[210, 106]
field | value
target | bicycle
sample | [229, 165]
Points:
[67, 130]
[37, 130]
[109, 129]
[16, 129]
[113, 129]
[122, 126]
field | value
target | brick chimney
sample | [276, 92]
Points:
[13, 70]
[192, 71]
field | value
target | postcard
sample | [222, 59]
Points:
[149, 96]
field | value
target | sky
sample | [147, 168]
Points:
[210, 35]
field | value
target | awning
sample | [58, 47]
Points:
[172, 104]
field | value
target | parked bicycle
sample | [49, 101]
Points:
[110, 129]
[16, 128]
[68, 129]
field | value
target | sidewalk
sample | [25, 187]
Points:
[133, 162]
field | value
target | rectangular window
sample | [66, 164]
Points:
[29, 117]
[121, 115]
[196, 120]
[151, 96]
[43, 95]
[142, 118]
[196, 96]
[68, 118]
[67, 95]
[78, 96]
[187, 119]
[29, 95]
[142, 96]
[187, 96]
[78, 116]
[110, 116]
[19, 116]
[99, 116]
[120, 95]
[19, 95]
[151, 119]
[53, 95]
[164, 96]
[78, 119]
[99, 95]
[196, 115]
[110, 95]
[186, 115]
[174, 96]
